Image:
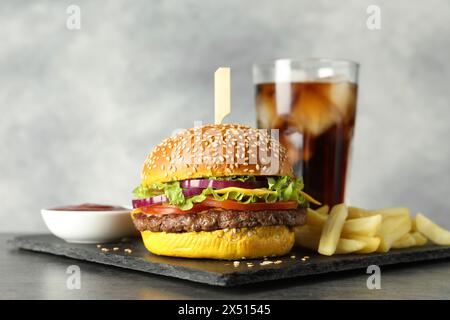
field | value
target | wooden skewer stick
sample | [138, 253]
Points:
[222, 94]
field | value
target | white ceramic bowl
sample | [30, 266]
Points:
[89, 226]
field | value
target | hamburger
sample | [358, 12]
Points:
[220, 192]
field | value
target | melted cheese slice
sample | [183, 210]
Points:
[247, 192]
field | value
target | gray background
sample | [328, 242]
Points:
[79, 110]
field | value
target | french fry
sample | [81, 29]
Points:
[432, 231]
[365, 227]
[315, 219]
[392, 228]
[413, 225]
[354, 213]
[392, 212]
[332, 228]
[420, 238]
[356, 230]
[307, 236]
[372, 244]
[411, 239]
[323, 210]
[406, 241]
[349, 245]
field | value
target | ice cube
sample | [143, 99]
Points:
[343, 97]
[312, 111]
[265, 112]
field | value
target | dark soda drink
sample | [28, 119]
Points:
[316, 122]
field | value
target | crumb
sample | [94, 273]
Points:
[105, 249]
[128, 250]
[278, 262]
[266, 262]
[99, 246]
[236, 264]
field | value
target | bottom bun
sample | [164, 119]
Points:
[228, 244]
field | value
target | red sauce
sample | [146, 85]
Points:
[89, 207]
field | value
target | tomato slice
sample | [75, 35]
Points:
[225, 204]
[258, 206]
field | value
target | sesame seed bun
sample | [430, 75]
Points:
[216, 151]
[226, 244]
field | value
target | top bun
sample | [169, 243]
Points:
[216, 151]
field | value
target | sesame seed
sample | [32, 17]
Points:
[278, 262]
[266, 262]
[292, 257]
[116, 248]
[105, 249]
[128, 250]
[236, 264]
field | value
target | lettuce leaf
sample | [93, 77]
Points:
[282, 188]
[142, 192]
[172, 191]
[287, 189]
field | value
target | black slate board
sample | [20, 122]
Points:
[222, 273]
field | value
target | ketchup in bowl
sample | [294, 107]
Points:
[89, 223]
[89, 207]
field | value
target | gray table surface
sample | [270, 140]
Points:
[29, 275]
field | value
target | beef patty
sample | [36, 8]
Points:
[217, 219]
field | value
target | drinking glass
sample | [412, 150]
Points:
[313, 104]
